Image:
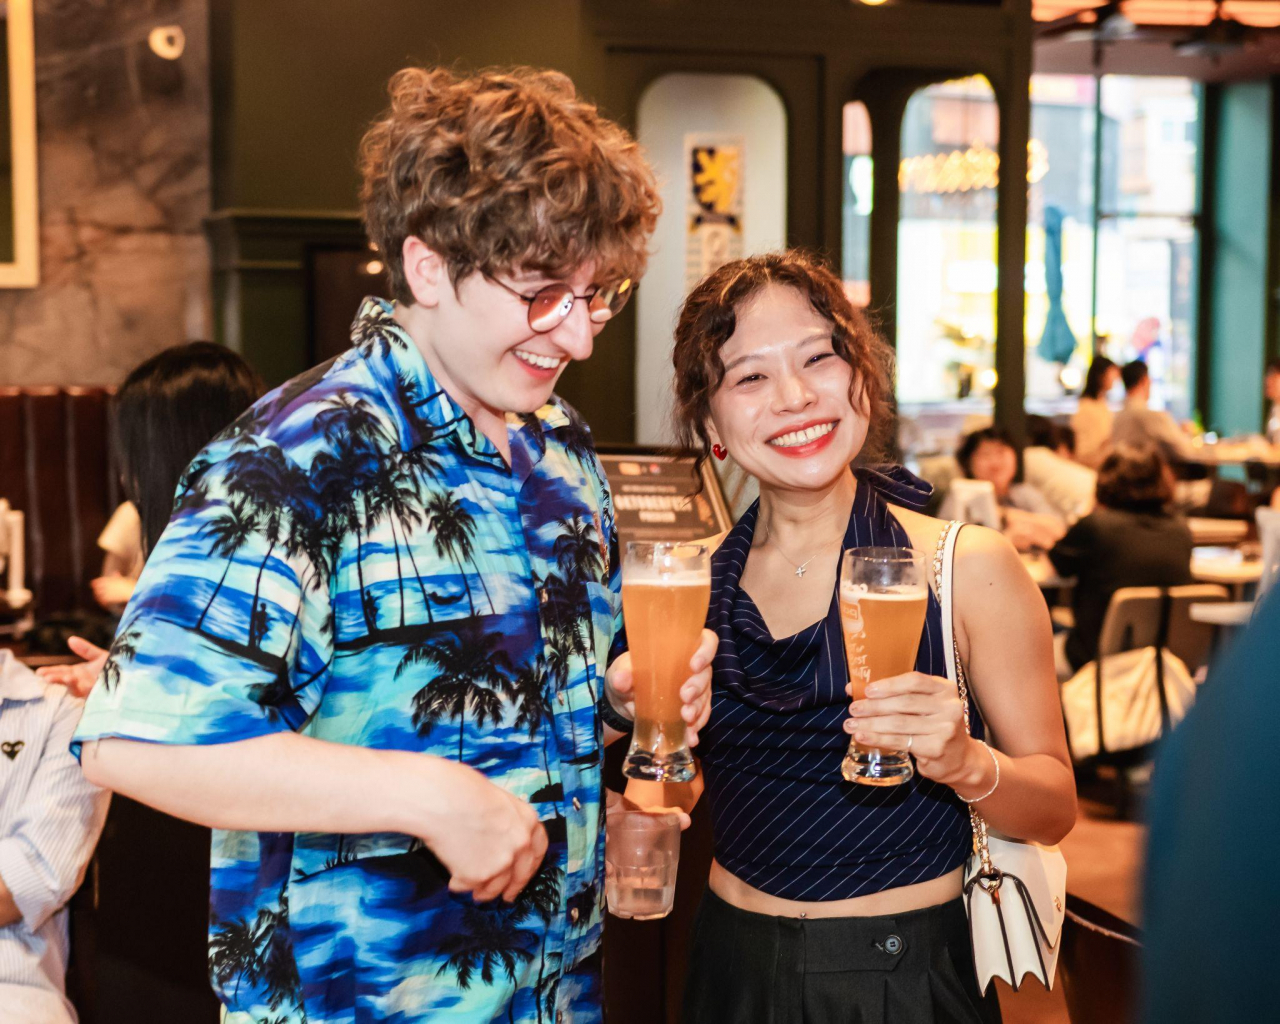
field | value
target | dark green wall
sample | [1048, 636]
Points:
[1237, 251]
[296, 81]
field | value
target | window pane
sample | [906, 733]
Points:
[1059, 277]
[1146, 301]
[1150, 136]
[857, 203]
[946, 304]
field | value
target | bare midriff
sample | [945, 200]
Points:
[734, 891]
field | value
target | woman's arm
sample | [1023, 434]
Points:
[1004, 636]
[1005, 640]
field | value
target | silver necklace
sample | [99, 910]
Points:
[799, 566]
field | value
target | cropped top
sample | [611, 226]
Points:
[784, 819]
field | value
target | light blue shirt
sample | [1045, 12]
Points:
[50, 820]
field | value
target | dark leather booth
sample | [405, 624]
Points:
[56, 467]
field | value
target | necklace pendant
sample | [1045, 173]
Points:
[799, 570]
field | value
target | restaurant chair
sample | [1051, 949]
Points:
[1268, 520]
[1099, 964]
[1138, 619]
[56, 466]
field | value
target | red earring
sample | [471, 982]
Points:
[720, 451]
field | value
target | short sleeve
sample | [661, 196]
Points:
[228, 635]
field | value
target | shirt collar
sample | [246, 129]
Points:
[17, 682]
[424, 411]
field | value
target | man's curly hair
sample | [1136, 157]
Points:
[502, 171]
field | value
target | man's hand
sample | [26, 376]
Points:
[490, 841]
[79, 679]
[695, 692]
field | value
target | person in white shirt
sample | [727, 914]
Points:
[1093, 418]
[1271, 388]
[1028, 519]
[1137, 426]
[121, 543]
[50, 819]
[1049, 465]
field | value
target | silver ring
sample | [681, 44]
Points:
[910, 740]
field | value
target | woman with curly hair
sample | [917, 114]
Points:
[830, 901]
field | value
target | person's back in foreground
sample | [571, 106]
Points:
[372, 637]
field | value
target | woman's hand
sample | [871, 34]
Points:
[695, 692]
[922, 715]
[79, 679]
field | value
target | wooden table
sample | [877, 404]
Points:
[1225, 566]
[1217, 531]
[1236, 453]
[1222, 613]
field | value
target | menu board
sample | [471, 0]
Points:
[654, 495]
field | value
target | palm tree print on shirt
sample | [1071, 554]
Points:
[247, 953]
[455, 530]
[124, 648]
[343, 547]
[472, 674]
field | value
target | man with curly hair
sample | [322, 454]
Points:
[369, 649]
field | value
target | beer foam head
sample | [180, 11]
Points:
[656, 575]
[861, 592]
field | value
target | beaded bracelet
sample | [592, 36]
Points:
[994, 760]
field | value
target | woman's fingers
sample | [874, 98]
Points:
[906, 704]
[898, 725]
[910, 682]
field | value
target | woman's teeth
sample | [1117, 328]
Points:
[799, 437]
[541, 362]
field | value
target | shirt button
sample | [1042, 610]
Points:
[560, 1018]
[560, 696]
[577, 804]
[573, 915]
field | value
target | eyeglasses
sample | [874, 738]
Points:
[549, 307]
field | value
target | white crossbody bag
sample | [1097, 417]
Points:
[1014, 892]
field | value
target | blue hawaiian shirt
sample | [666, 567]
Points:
[354, 561]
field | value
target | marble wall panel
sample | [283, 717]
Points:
[124, 188]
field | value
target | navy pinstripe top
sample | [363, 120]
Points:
[784, 819]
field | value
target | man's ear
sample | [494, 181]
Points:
[424, 271]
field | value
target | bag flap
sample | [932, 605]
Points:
[1043, 873]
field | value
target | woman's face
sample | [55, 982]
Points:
[994, 461]
[1110, 379]
[783, 408]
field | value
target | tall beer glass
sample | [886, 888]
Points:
[666, 588]
[883, 597]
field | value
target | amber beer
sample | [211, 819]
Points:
[883, 599]
[665, 592]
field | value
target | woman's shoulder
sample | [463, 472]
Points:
[985, 557]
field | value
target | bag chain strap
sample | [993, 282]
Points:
[976, 820]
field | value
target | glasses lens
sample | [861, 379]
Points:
[549, 307]
[608, 301]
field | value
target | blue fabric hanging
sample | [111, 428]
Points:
[1057, 343]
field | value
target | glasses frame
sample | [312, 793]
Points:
[564, 292]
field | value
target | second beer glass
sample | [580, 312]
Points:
[883, 597]
[666, 588]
